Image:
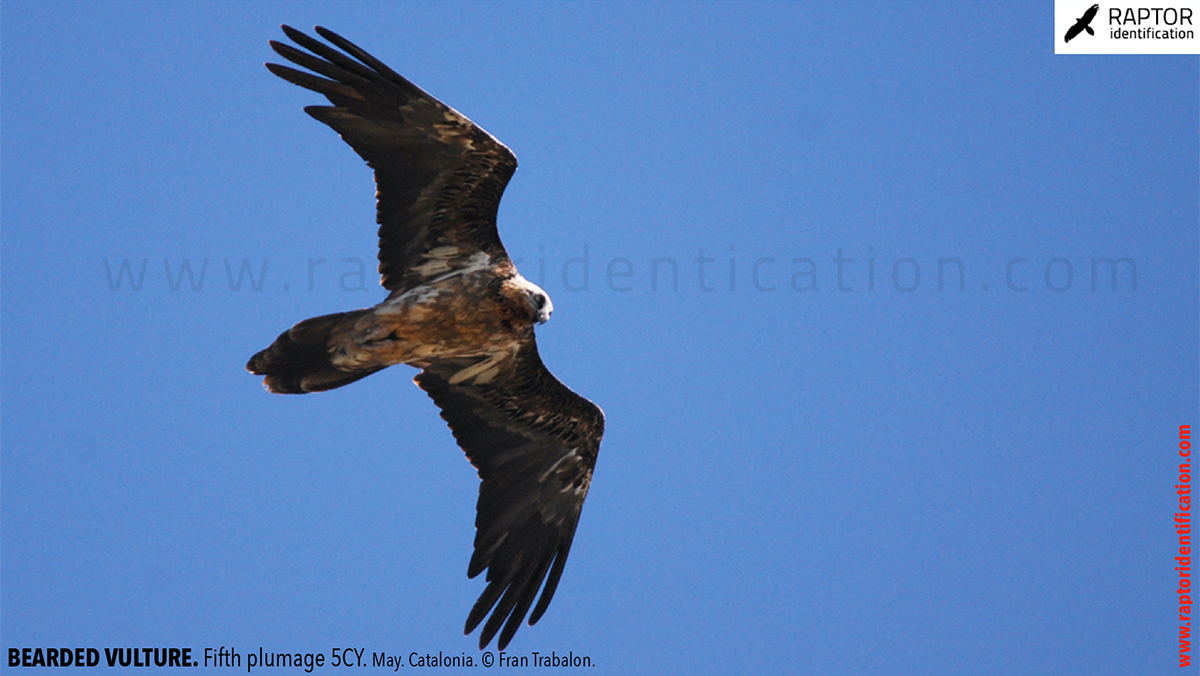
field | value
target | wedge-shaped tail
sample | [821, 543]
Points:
[300, 359]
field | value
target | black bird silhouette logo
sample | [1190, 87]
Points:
[1083, 23]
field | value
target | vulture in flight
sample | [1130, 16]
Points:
[457, 310]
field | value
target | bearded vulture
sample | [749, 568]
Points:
[457, 310]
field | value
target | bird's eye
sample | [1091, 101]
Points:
[540, 301]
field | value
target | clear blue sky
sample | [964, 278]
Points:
[794, 479]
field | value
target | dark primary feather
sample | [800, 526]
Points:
[439, 177]
[534, 442]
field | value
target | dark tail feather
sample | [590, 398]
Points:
[298, 361]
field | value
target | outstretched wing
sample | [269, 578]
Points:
[1073, 31]
[439, 177]
[534, 442]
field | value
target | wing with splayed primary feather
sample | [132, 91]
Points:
[534, 442]
[439, 176]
